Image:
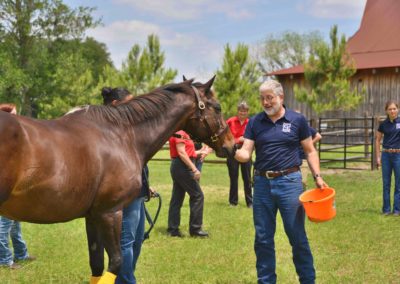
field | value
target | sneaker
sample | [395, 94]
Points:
[199, 233]
[396, 214]
[14, 265]
[175, 233]
[29, 258]
[386, 213]
[250, 205]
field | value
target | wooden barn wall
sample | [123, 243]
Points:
[381, 85]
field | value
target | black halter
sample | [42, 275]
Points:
[199, 115]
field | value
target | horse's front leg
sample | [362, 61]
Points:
[96, 251]
[109, 227]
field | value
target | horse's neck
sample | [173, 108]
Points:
[167, 123]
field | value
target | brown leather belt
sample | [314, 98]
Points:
[275, 174]
[391, 150]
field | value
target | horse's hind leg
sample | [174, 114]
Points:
[96, 251]
[109, 227]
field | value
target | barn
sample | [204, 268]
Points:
[375, 48]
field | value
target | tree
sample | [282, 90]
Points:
[72, 88]
[327, 72]
[237, 80]
[143, 70]
[10, 77]
[28, 29]
[286, 50]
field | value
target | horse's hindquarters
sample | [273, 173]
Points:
[10, 154]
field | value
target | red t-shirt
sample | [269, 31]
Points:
[237, 128]
[189, 145]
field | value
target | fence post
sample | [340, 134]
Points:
[375, 123]
[319, 144]
[366, 132]
[345, 144]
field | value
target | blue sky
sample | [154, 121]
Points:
[193, 33]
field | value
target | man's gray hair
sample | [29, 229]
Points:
[272, 85]
[243, 105]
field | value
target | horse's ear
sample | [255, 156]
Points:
[207, 86]
[184, 78]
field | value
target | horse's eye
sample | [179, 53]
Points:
[217, 108]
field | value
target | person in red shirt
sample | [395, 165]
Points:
[238, 124]
[185, 177]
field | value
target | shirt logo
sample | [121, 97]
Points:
[286, 127]
[397, 125]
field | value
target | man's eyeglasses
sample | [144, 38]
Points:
[267, 98]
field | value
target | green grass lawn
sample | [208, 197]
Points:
[358, 246]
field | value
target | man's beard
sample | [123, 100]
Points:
[274, 109]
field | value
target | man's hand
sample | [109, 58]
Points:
[320, 183]
[196, 174]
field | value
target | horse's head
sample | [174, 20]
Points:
[207, 124]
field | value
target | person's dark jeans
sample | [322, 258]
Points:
[391, 163]
[11, 229]
[271, 195]
[132, 236]
[233, 169]
[183, 182]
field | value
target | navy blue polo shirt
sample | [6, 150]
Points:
[391, 133]
[277, 144]
[313, 132]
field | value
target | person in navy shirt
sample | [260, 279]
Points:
[276, 134]
[390, 159]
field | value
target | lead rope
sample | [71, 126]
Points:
[151, 221]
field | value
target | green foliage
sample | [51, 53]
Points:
[11, 78]
[33, 34]
[143, 69]
[110, 77]
[286, 50]
[327, 72]
[73, 89]
[237, 80]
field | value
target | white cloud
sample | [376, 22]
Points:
[333, 9]
[124, 31]
[185, 52]
[191, 9]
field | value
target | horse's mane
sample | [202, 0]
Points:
[146, 107]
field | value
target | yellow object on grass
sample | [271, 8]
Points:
[94, 279]
[107, 278]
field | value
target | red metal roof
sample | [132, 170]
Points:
[376, 44]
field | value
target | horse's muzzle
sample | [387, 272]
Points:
[228, 153]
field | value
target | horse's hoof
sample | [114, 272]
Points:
[94, 279]
[107, 278]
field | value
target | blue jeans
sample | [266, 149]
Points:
[271, 195]
[11, 228]
[132, 236]
[390, 163]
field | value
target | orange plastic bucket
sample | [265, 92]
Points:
[319, 204]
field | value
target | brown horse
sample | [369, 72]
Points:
[89, 163]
